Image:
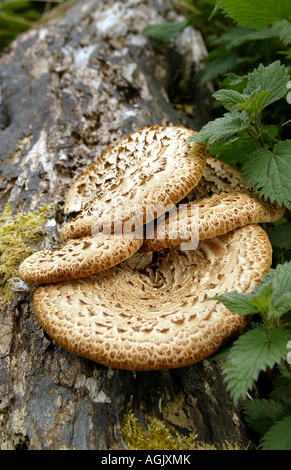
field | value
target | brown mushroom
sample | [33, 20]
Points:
[218, 204]
[78, 258]
[138, 178]
[207, 218]
[147, 314]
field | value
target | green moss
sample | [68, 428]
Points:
[19, 236]
[159, 436]
[162, 436]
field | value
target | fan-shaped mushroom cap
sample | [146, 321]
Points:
[148, 315]
[207, 218]
[78, 258]
[142, 174]
[218, 204]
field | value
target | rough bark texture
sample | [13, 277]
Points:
[68, 90]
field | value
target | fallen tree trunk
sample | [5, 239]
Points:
[69, 89]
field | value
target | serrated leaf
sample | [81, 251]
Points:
[262, 300]
[271, 298]
[280, 236]
[237, 302]
[281, 284]
[281, 389]
[273, 78]
[283, 30]
[235, 150]
[235, 82]
[261, 414]
[165, 31]
[254, 103]
[257, 14]
[229, 98]
[251, 103]
[222, 128]
[251, 354]
[237, 36]
[238, 148]
[269, 173]
[217, 64]
[279, 436]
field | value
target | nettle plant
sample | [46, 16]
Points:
[243, 136]
[268, 160]
[263, 345]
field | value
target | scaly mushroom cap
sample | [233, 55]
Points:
[218, 204]
[218, 177]
[78, 258]
[142, 175]
[207, 218]
[148, 315]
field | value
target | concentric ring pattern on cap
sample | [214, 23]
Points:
[149, 315]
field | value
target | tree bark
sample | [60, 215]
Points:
[69, 89]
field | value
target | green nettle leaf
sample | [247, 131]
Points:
[261, 414]
[165, 31]
[282, 389]
[238, 148]
[235, 82]
[272, 298]
[222, 128]
[263, 299]
[237, 36]
[279, 436]
[257, 14]
[283, 30]
[229, 98]
[234, 150]
[218, 63]
[237, 302]
[251, 103]
[280, 279]
[258, 301]
[273, 78]
[251, 354]
[280, 236]
[269, 172]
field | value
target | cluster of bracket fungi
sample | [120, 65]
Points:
[130, 291]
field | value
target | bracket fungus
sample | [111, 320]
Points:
[140, 304]
[145, 315]
[142, 175]
[78, 258]
[221, 203]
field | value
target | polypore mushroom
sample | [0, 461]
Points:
[208, 218]
[218, 177]
[230, 206]
[78, 258]
[137, 178]
[147, 314]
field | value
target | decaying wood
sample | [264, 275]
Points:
[70, 88]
